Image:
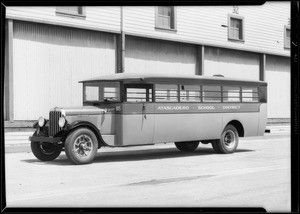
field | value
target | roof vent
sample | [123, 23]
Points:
[218, 75]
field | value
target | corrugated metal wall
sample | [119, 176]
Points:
[278, 76]
[156, 56]
[49, 61]
[231, 63]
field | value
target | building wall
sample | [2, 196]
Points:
[49, 57]
[278, 76]
[49, 61]
[205, 25]
[231, 63]
[264, 26]
[156, 56]
[97, 18]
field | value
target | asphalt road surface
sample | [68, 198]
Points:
[257, 175]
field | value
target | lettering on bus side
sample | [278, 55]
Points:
[231, 107]
[168, 108]
[206, 108]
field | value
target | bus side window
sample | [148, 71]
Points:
[249, 94]
[211, 93]
[231, 94]
[166, 93]
[190, 93]
[138, 94]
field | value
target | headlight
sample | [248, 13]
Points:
[41, 121]
[61, 122]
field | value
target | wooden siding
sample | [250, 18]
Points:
[231, 63]
[97, 18]
[278, 77]
[48, 63]
[264, 26]
[154, 56]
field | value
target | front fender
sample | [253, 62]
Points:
[77, 124]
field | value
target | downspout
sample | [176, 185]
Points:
[122, 42]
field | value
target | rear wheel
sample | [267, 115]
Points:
[45, 151]
[228, 142]
[81, 146]
[187, 146]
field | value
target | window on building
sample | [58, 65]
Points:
[166, 93]
[287, 36]
[165, 17]
[236, 28]
[74, 11]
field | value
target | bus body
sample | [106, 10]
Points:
[143, 109]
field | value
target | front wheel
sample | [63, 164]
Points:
[81, 146]
[187, 146]
[228, 142]
[45, 151]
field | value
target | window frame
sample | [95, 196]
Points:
[101, 95]
[60, 11]
[172, 21]
[168, 93]
[242, 19]
[148, 87]
[287, 46]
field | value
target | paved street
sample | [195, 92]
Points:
[257, 175]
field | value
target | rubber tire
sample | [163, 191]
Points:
[220, 144]
[215, 146]
[71, 154]
[40, 154]
[187, 146]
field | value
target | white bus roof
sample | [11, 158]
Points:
[171, 78]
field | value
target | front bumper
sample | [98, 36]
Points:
[45, 139]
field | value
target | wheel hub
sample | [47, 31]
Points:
[229, 139]
[83, 145]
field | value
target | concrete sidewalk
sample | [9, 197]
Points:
[18, 141]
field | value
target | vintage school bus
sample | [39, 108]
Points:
[142, 109]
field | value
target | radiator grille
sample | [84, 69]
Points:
[53, 122]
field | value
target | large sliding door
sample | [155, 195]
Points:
[48, 62]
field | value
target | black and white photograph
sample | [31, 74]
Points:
[168, 106]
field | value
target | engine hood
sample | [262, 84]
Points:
[81, 110]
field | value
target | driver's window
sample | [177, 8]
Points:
[138, 93]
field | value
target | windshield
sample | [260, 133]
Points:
[101, 92]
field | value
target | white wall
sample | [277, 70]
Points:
[154, 56]
[101, 18]
[264, 25]
[231, 63]
[278, 76]
[49, 61]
